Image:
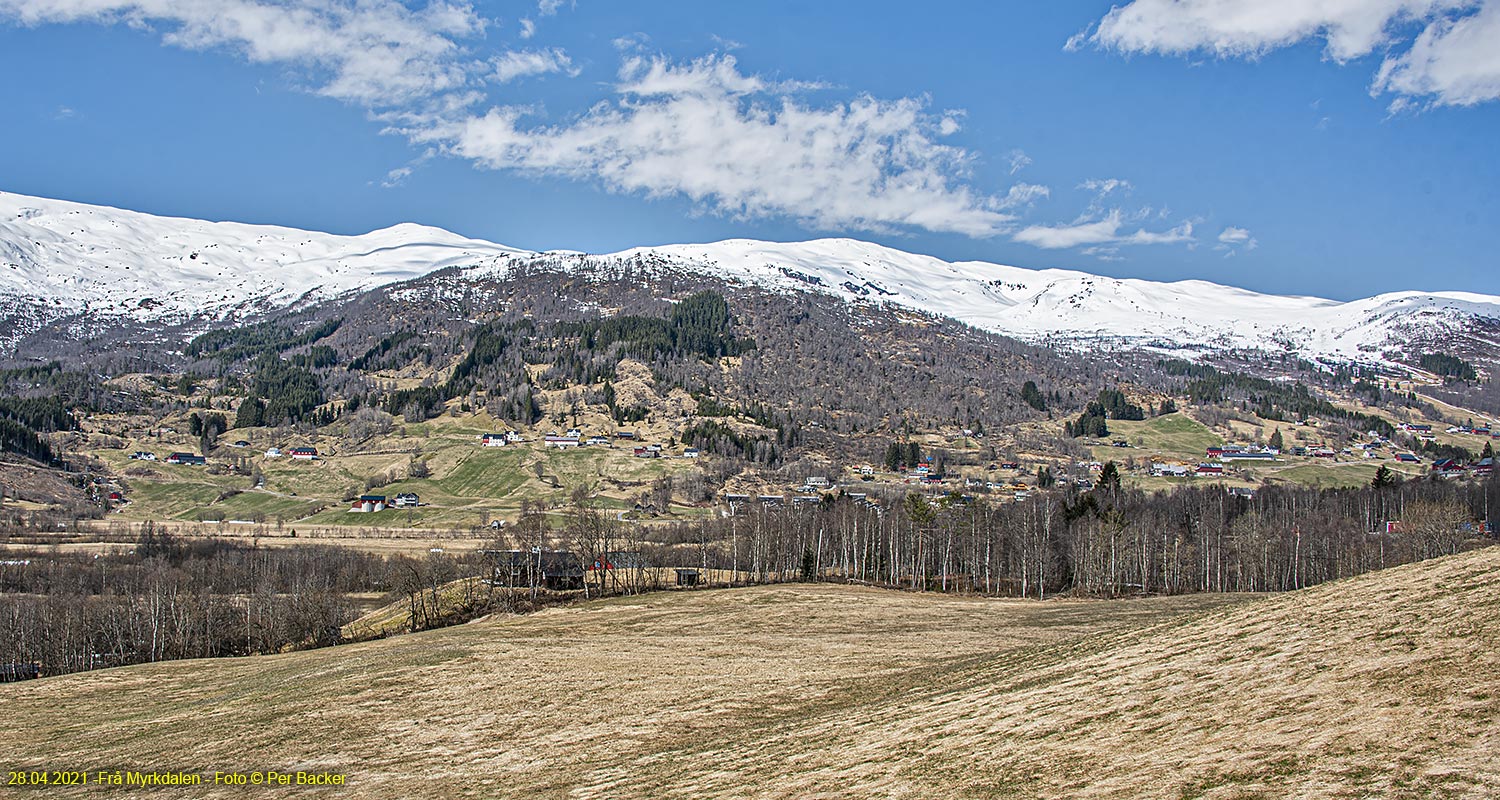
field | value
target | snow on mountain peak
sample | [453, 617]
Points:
[111, 261]
[81, 258]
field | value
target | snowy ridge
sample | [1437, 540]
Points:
[1068, 306]
[99, 260]
[72, 258]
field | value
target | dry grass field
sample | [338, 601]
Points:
[1387, 685]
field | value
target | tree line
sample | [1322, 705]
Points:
[1110, 541]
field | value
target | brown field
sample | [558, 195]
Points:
[1379, 686]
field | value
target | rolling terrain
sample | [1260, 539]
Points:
[1381, 685]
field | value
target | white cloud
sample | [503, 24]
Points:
[742, 146]
[376, 53]
[1234, 240]
[1349, 28]
[1024, 194]
[1105, 231]
[630, 42]
[528, 28]
[1233, 235]
[1455, 60]
[527, 63]
[396, 177]
[1103, 187]
[1018, 160]
[733, 142]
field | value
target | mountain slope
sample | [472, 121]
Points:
[1052, 305]
[59, 258]
[1381, 685]
[78, 257]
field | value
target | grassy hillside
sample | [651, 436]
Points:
[1381, 685]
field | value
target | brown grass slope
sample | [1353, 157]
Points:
[1385, 685]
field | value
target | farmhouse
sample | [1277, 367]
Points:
[560, 442]
[691, 452]
[407, 500]
[369, 503]
[557, 570]
[304, 453]
[274, 452]
[1247, 455]
[597, 440]
[142, 455]
[646, 452]
[1408, 458]
[186, 458]
[493, 440]
[1447, 467]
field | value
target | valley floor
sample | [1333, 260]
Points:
[1382, 685]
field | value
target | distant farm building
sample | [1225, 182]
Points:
[369, 503]
[558, 570]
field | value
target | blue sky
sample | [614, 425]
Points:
[1339, 149]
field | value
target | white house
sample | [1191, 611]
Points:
[493, 440]
[561, 442]
[274, 452]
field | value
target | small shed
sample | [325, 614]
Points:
[688, 577]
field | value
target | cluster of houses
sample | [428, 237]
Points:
[574, 438]
[1173, 469]
[740, 502]
[193, 459]
[371, 503]
[1449, 468]
[296, 453]
[1238, 452]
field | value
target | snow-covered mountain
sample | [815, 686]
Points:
[70, 258]
[99, 260]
